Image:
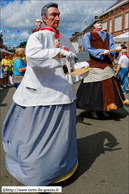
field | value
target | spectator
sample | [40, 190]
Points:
[19, 67]
[123, 68]
[10, 59]
[13, 58]
[1, 74]
[5, 63]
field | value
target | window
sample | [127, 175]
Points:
[118, 23]
[110, 23]
[126, 20]
[105, 26]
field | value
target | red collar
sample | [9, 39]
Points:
[57, 33]
[97, 29]
[126, 55]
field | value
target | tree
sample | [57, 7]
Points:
[22, 44]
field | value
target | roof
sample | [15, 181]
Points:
[115, 6]
[119, 3]
[86, 29]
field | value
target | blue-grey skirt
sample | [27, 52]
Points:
[40, 142]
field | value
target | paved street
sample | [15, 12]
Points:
[103, 164]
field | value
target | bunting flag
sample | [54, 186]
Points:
[18, 31]
[106, 15]
[120, 9]
[82, 22]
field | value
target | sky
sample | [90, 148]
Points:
[18, 17]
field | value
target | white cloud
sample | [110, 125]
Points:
[24, 35]
[21, 16]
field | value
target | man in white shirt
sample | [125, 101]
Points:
[123, 68]
[39, 131]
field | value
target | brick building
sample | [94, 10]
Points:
[115, 20]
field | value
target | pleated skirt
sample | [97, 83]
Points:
[96, 96]
[40, 143]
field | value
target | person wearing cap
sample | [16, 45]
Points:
[123, 68]
[38, 24]
[99, 90]
[39, 131]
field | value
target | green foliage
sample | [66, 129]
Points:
[22, 44]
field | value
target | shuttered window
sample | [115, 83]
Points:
[118, 23]
[110, 23]
[126, 20]
[105, 26]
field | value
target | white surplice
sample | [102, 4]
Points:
[44, 82]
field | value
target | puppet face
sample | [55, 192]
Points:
[38, 24]
[98, 25]
[53, 17]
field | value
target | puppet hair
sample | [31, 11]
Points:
[44, 10]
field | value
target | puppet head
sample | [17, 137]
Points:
[38, 23]
[98, 23]
[50, 15]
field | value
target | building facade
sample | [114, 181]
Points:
[115, 21]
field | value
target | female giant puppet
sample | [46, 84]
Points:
[99, 91]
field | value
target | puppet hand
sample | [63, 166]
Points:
[106, 52]
[64, 53]
[118, 49]
[72, 55]
[69, 55]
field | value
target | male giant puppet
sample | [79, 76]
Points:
[99, 91]
[38, 24]
[39, 131]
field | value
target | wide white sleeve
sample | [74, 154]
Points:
[40, 57]
[72, 61]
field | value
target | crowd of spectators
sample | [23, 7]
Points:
[11, 66]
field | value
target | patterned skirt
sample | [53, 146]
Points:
[96, 96]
